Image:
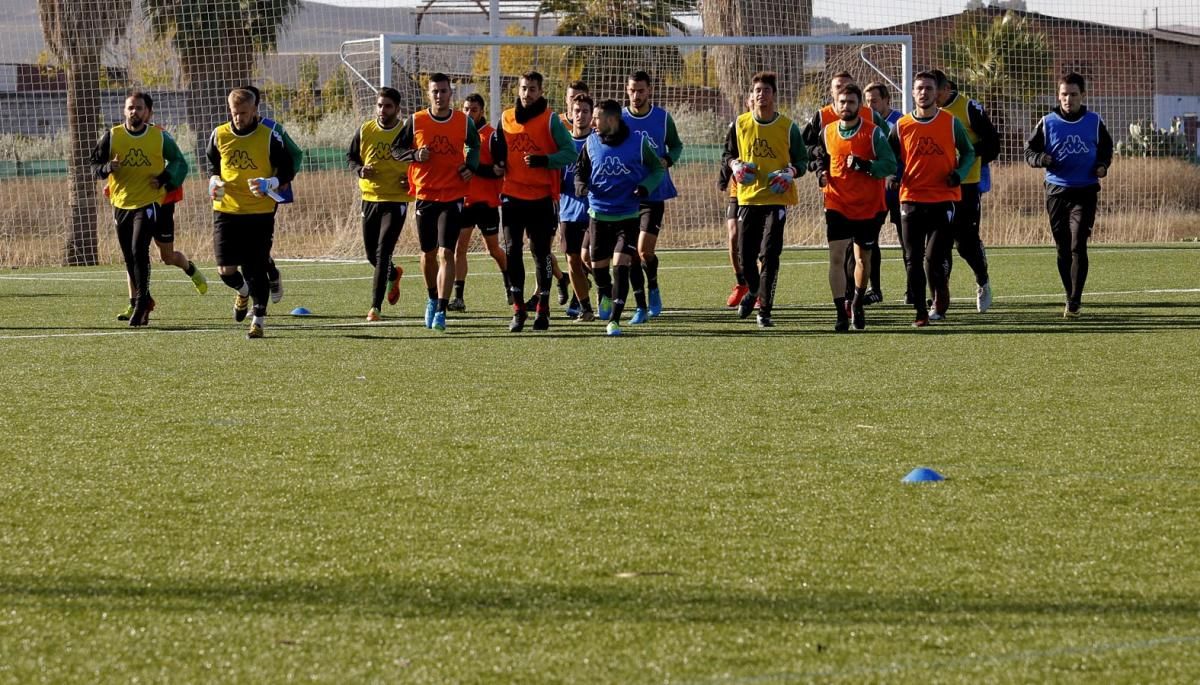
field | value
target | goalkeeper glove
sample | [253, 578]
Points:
[743, 172]
[780, 181]
[263, 186]
[858, 164]
[216, 188]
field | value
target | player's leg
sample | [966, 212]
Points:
[372, 220]
[739, 284]
[970, 244]
[449, 227]
[123, 223]
[1058, 208]
[164, 237]
[274, 279]
[913, 237]
[457, 303]
[259, 230]
[939, 242]
[227, 250]
[601, 243]
[571, 235]
[143, 236]
[839, 236]
[513, 227]
[650, 219]
[866, 238]
[750, 234]
[770, 250]
[1082, 218]
[427, 237]
[489, 227]
[624, 250]
[543, 220]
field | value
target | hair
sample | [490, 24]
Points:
[477, 99]
[767, 77]
[584, 97]
[253, 90]
[610, 107]
[533, 76]
[842, 74]
[439, 77]
[1070, 79]
[939, 77]
[851, 88]
[928, 75]
[389, 93]
[639, 75]
[578, 86]
[143, 96]
[879, 88]
[240, 96]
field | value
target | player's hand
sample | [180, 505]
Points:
[953, 180]
[1101, 171]
[666, 162]
[1046, 161]
[465, 173]
[743, 172]
[858, 164]
[404, 184]
[260, 187]
[537, 161]
[366, 172]
[115, 163]
[155, 183]
[421, 155]
[781, 181]
[893, 184]
[498, 169]
[641, 192]
[216, 188]
[822, 178]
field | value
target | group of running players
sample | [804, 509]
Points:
[598, 175]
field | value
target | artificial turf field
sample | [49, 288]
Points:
[699, 501]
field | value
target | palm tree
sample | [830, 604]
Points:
[605, 69]
[77, 32]
[735, 65]
[217, 42]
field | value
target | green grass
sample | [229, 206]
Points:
[697, 502]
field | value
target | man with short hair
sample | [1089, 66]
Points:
[240, 153]
[879, 99]
[443, 146]
[140, 163]
[383, 184]
[481, 209]
[1074, 147]
[985, 140]
[616, 171]
[656, 125]
[858, 159]
[531, 147]
[573, 211]
[765, 154]
[934, 155]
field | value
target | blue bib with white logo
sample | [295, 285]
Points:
[571, 207]
[653, 126]
[616, 171]
[1073, 146]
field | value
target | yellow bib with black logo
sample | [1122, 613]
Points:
[375, 149]
[243, 158]
[141, 159]
[958, 107]
[768, 146]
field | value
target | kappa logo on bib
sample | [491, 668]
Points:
[240, 159]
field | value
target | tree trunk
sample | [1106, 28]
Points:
[84, 125]
[735, 65]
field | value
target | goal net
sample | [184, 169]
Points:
[64, 76]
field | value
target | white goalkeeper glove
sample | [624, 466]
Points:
[743, 172]
[781, 181]
[264, 186]
[216, 188]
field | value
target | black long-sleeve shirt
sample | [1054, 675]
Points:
[1035, 147]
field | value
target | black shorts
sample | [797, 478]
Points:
[164, 225]
[438, 224]
[571, 235]
[374, 213]
[864, 232]
[650, 217]
[731, 209]
[483, 217]
[242, 239]
[613, 237]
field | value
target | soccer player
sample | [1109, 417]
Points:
[879, 99]
[239, 153]
[726, 183]
[383, 184]
[934, 155]
[532, 145]
[765, 153]
[986, 142]
[443, 146]
[1073, 145]
[653, 123]
[141, 163]
[285, 192]
[859, 158]
[481, 208]
[573, 209]
[617, 170]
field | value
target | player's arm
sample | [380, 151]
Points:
[655, 166]
[566, 152]
[402, 146]
[499, 147]
[674, 144]
[798, 151]
[583, 172]
[354, 156]
[1104, 150]
[472, 145]
[282, 161]
[100, 156]
[293, 149]
[988, 146]
[884, 164]
[812, 137]
[176, 169]
[1035, 148]
[966, 151]
[898, 153]
[213, 154]
[730, 152]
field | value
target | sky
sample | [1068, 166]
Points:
[867, 14]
